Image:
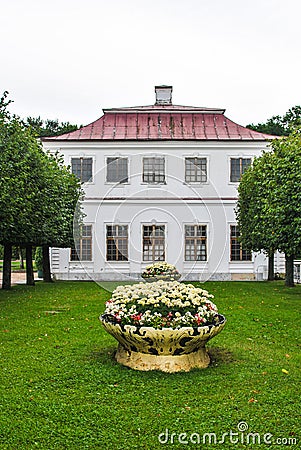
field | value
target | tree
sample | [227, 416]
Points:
[68, 184]
[62, 190]
[269, 205]
[287, 198]
[280, 125]
[38, 194]
[48, 127]
[253, 209]
[20, 163]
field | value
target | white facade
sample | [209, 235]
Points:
[160, 183]
[173, 204]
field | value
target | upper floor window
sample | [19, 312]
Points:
[82, 168]
[117, 170]
[153, 170]
[237, 252]
[195, 170]
[117, 242]
[195, 243]
[238, 167]
[153, 243]
[82, 251]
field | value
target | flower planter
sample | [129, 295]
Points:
[160, 270]
[155, 278]
[168, 350]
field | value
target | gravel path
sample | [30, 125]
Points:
[17, 278]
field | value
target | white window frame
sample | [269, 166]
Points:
[150, 224]
[237, 156]
[237, 261]
[83, 261]
[151, 156]
[84, 156]
[117, 183]
[118, 261]
[195, 261]
[195, 183]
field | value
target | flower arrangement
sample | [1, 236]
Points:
[162, 304]
[161, 270]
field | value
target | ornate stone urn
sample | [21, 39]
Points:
[169, 350]
[153, 279]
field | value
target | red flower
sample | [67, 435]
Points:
[136, 317]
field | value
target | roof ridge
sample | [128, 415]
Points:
[164, 108]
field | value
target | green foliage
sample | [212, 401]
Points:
[62, 388]
[44, 128]
[280, 125]
[20, 163]
[61, 191]
[286, 192]
[254, 205]
[269, 205]
[38, 194]
[4, 103]
[39, 258]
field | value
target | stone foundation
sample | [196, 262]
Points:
[243, 277]
[112, 276]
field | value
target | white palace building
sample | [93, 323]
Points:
[160, 183]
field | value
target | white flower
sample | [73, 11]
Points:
[162, 302]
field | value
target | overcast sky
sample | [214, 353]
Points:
[68, 59]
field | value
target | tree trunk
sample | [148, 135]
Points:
[29, 266]
[46, 264]
[21, 258]
[271, 273]
[289, 270]
[6, 275]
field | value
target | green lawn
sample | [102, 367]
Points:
[62, 389]
[15, 266]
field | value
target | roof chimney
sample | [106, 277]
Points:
[163, 95]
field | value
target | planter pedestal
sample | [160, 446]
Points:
[173, 363]
[168, 350]
[155, 278]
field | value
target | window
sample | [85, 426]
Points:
[238, 167]
[237, 253]
[117, 242]
[153, 170]
[195, 170]
[82, 168]
[117, 170]
[153, 243]
[82, 251]
[195, 242]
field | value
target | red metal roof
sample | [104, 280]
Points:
[158, 122]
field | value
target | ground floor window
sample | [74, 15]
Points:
[237, 252]
[195, 243]
[153, 243]
[82, 251]
[117, 242]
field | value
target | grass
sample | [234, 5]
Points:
[62, 389]
[15, 266]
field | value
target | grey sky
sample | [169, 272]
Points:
[68, 59]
